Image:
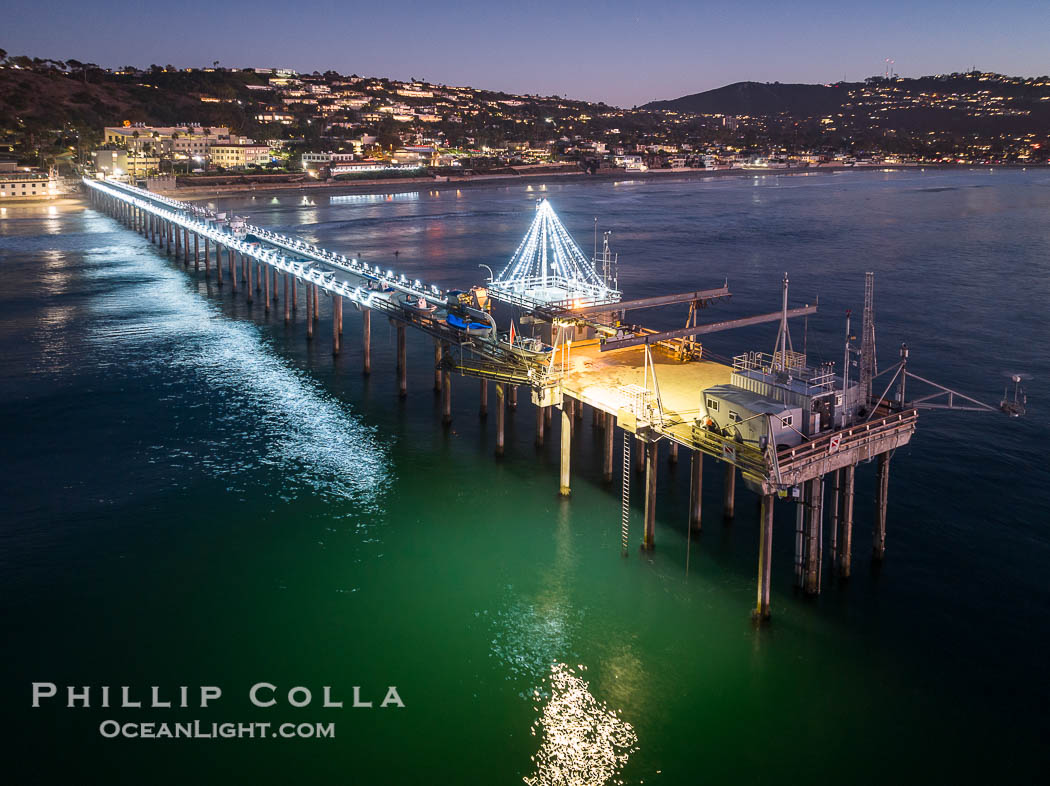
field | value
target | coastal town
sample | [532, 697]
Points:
[272, 127]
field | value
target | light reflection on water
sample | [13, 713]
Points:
[306, 436]
[583, 741]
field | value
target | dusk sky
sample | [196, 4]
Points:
[623, 52]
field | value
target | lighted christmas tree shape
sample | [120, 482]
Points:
[549, 269]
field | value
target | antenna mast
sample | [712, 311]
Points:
[868, 362]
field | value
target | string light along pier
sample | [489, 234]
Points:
[554, 322]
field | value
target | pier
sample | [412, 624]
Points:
[553, 326]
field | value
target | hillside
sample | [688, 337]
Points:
[984, 104]
[759, 98]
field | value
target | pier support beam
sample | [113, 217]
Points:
[814, 535]
[402, 365]
[309, 318]
[337, 308]
[845, 534]
[833, 506]
[287, 301]
[649, 535]
[207, 253]
[446, 397]
[483, 405]
[218, 262]
[317, 304]
[437, 365]
[501, 416]
[196, 252]
[729, 493]
[233, 268]
[696, 487]
[765, 549]
[565, 488]
[672, 454]
[295, 294]
[541, 419]
[882, 497]
[246, 266]
[512, 397]
[265, 275]
[366, 340]
[607, 446]
[186, 246]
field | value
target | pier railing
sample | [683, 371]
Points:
[838, 449]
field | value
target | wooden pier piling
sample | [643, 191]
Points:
[402, 364]
[814, 522]
[366, 341]
[566, 449]
[607, 446]
[882, 495]
[729, 493]
[765, 549]
[437, 365]
[845, 535]
[649, 535]
[501, 417]
[696, 487]
[446, 397]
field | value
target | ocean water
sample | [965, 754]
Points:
[193, 494]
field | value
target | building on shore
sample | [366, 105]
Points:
[22, 183]
[116, 162]
[240, 155]
[188, 140]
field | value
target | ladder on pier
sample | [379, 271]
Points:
[626, 492]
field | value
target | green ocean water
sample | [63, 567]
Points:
[195, 495]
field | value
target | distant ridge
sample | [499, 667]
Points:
[759, 98]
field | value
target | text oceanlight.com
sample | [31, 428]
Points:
[222, 731]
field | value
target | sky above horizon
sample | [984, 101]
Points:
[623, 52]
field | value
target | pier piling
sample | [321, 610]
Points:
[566, 449]
[814, 535]
[845, 534]
[541, 419]
[402, 364]
[437, 365]
[446, 397]
[882, 494]
[337, 308]
[765, 548]
[483, 406]
[366, 341]
[649, 536]
[500, 417]
[607, 446]
[696, 487]
[729, 493]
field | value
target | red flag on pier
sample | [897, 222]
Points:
[512, 332]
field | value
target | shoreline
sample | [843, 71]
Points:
[402, 185]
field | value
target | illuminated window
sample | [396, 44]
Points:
[733, 417]
[712, 405]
